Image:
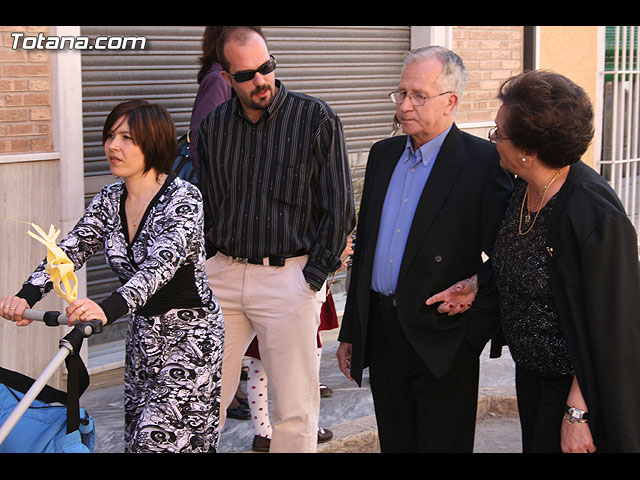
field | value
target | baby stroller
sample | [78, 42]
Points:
[37, 418]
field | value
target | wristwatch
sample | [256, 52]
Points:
[575, 415]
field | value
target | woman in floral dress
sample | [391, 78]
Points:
[151, 228]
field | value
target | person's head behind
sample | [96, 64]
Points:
[547, 114]
[210, 39]
[152, 130]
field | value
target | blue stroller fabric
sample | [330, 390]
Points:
[54, 423]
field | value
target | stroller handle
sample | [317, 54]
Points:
[69, 347]
[54, 319]
[50, 318]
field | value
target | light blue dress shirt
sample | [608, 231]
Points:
[404, 192]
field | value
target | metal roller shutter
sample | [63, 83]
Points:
[353, 68]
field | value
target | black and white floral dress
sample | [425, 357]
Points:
[176, 330]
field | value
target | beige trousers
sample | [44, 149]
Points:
[277, 305]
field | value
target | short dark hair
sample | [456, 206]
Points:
[548, 114]
[237, 33]
[152, 129]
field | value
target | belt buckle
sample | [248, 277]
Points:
[276, 261]
[386, 301]
[245, 261]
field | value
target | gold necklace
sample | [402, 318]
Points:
[524, 199]
[137, 218]
[145, 204]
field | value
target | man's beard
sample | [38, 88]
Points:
[264, 103]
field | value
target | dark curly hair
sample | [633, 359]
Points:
[548, 114]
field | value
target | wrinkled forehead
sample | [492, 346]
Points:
[421, 76]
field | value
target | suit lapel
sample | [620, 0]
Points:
[446, 169]
[386, 165]
[382, 170]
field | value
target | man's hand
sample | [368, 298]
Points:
[344, 359]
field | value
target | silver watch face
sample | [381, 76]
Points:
[575, 413]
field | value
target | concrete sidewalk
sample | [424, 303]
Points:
[348, 413]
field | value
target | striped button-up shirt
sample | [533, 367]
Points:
[278, 186]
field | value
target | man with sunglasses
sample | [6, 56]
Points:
[279, 206]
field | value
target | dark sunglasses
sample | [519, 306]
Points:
[247, 75]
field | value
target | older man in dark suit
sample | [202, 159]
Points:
[432, 202]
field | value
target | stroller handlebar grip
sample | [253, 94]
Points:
[50, 318]
[54, 319]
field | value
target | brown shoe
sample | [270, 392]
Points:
[324, 435]
[260, 444]
[325, 391]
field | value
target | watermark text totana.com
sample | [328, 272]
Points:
[53, 42]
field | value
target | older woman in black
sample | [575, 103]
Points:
[566, 268]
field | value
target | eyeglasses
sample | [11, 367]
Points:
[247, 75]
[417, 99]
[494, 137]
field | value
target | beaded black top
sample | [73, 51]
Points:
[528, 315]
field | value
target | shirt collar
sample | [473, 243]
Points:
[427, 152]
[271, 109]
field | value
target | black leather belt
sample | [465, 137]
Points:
[270, 261]
[385, 301]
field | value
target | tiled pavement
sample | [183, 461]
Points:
[348, 413]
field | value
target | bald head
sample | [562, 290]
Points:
[239, 35]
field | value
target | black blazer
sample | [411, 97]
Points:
[595, 278]
[456, 220]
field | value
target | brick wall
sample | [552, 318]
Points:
[491, 54]
[25, 95]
